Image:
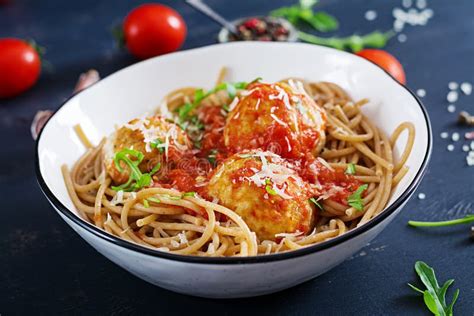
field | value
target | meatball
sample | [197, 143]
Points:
[157, 139]
[263, 189]
[277, 118]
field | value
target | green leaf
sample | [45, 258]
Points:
[323, 22]
[434, 296]
[415, 288]
[355, 199]
[269, 187]
[431, 303]
[307, 4]
[351, 169]
[231, 90]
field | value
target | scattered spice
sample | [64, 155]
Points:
[466, 119]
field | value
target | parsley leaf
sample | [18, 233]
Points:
[317, 203]
[355, 199]
[351, 168]
[434, 296]
[136, 179]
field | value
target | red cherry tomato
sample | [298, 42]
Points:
[386, 61]
[20, 67]
[152, 30]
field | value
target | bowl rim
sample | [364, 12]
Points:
[97, 232]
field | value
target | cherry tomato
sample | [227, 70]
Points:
[20, 67]
[152, 30]
[385, 60]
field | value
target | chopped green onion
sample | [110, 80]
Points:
[154, 144]
[192, 194]
[351, 169]
[355, 199]
[146, 204]
[269, 187]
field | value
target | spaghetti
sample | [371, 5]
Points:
[163, 215]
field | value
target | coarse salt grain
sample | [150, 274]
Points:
[470, 159]
[455, 137]
[472, 145]
[466, 88]
[465, 148]
[421, 93]
[402, 38]
[407, 3]
[452, 96]
[444, 135]
[421, 196]
[450, 147]
[451, 108]
[370, 15]
[421, 4]
[453, 85]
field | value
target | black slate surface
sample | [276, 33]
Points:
[45, 268]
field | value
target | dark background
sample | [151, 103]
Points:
[47, 269]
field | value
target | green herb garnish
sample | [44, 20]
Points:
[199, 95]
[464, 220]
[154, 144]
[434, 296]
[351, 168]
[317, 203]
[355, 199]
[354, 42]
[212, 156]
[303, 12]
[269, 187]
[136, 179]
[154, 200]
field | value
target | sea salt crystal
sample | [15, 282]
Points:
[421, 92]
[452, 96]
[370, 15]
[466, 88]
[455, 137]
[470, 159]
[398, 25]
[407, 3]
[444, 135]
[451, 108]
[472, 145]
[421, 196]
[450, 147]
[453, 85]
[402, 38]
[465, 148]
[421, 4]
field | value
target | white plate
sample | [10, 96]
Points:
[139, 88]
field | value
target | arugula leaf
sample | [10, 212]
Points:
[322, 22]
[354, 42]
[154, 144]
[355, 199]
[351, 169]
[317, 203]
[308, 4]
[434, 296]
[463, 220]
[136, 179]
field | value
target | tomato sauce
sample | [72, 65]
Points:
[297, 148]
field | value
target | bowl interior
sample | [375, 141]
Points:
[139, 89]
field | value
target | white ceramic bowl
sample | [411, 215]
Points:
[139, 88]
